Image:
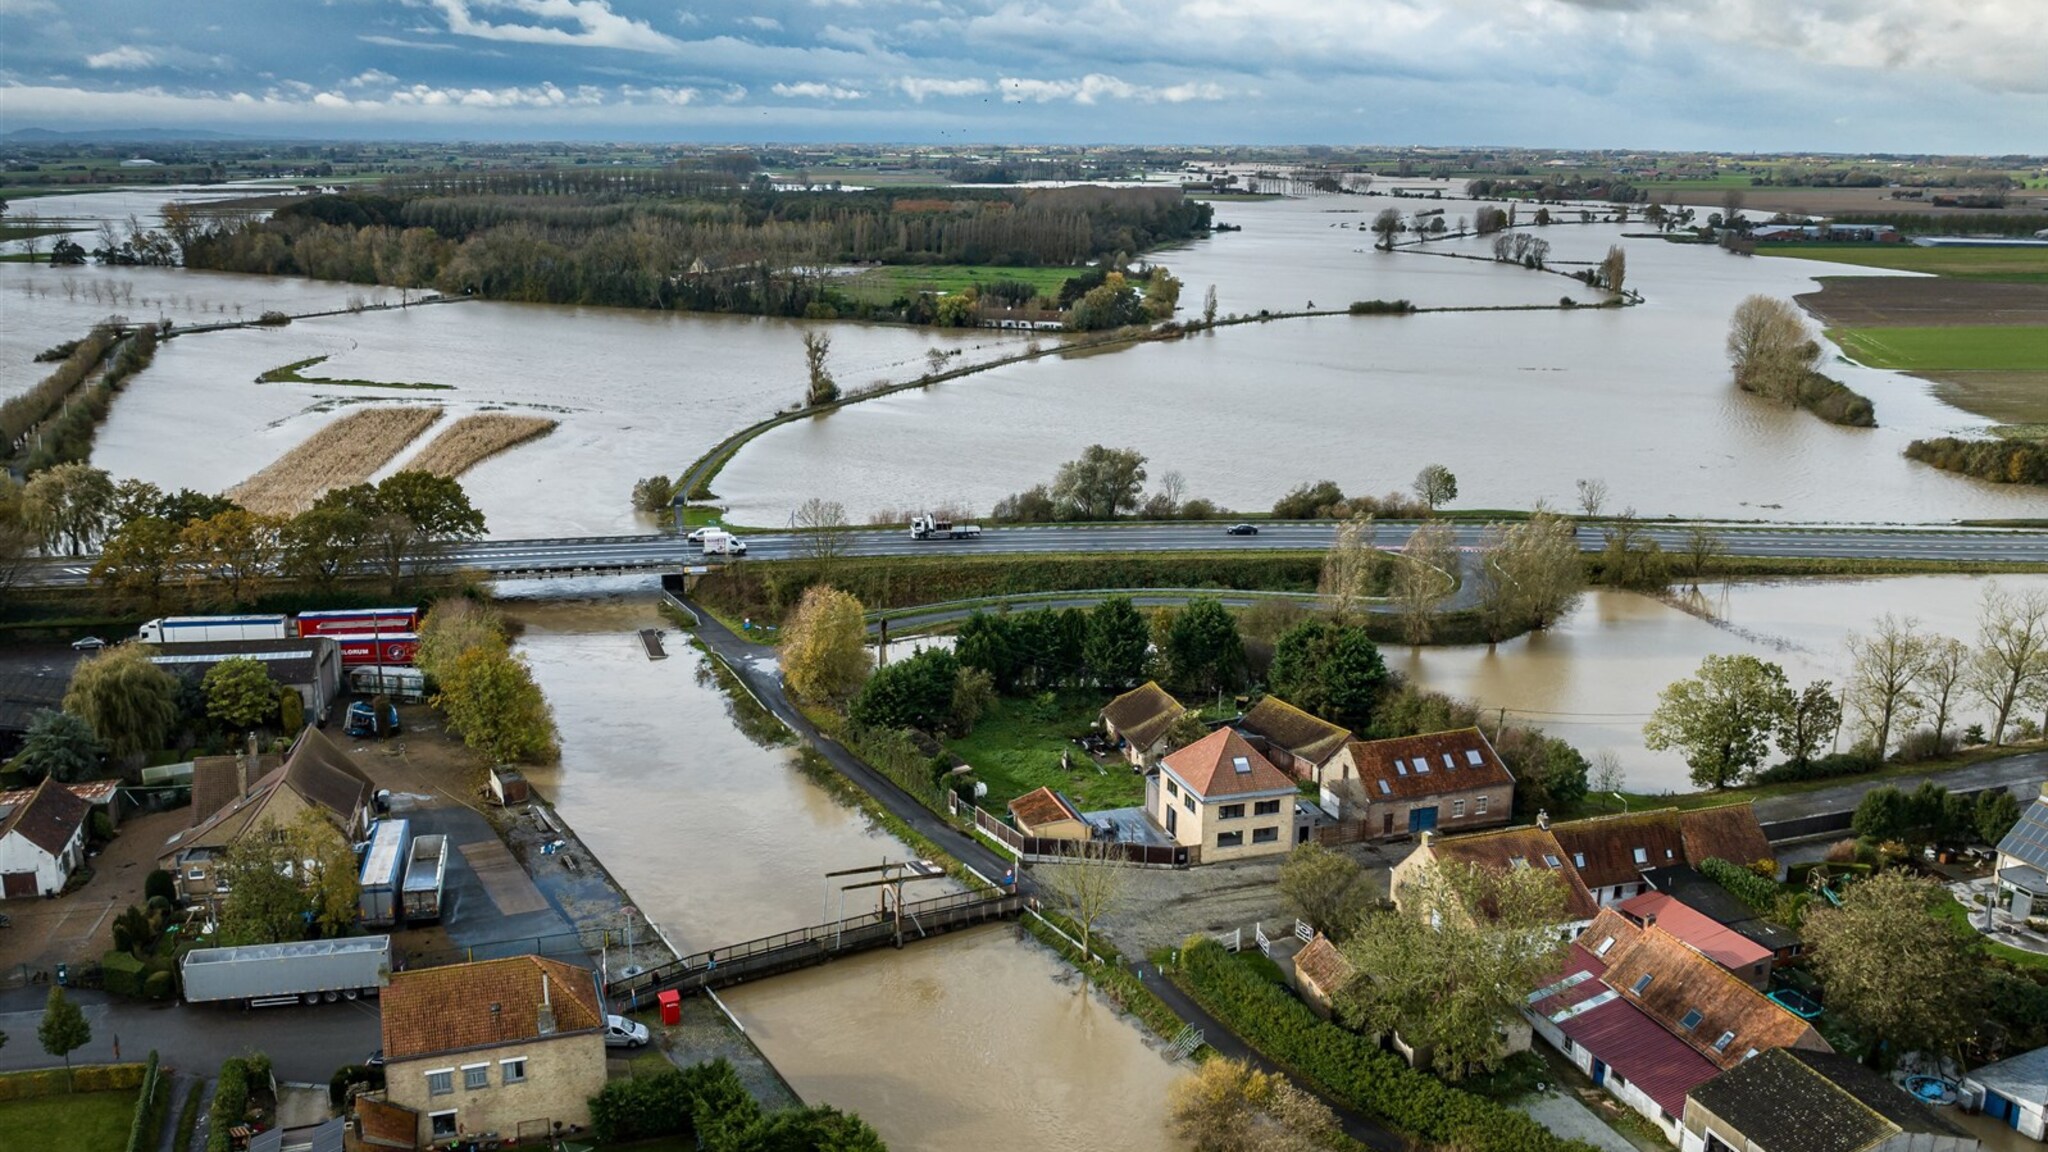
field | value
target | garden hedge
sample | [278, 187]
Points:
[83, 1078]
[1352, 1068]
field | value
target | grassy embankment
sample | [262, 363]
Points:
[295, 373]
[2012, 265]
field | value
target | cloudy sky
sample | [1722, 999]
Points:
[1819, 75]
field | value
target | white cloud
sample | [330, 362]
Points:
[596, 25]
[125, 58]
[812, 90]
[371, 77]
[919, 87]
[395, 42]
[1096, 87]
[764, 23]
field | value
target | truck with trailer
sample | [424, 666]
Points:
[406, 685]
[933, 528]
[306, 972]
[382, 880]
[206, 629]
[361, 648]
[718, 542]
[426, 877]
[355, 621]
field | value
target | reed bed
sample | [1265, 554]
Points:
[345, 452]
[476, 438]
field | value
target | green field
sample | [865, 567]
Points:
[1958, 349]
[2019, 265]
[887, 283]
[82, 1122]
[1016, 747]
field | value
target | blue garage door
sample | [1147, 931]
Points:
[1422, 820]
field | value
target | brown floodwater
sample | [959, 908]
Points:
[975, 1040]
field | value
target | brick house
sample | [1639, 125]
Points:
[1218, 794]
[512, 1046]
[1449, 781]
[315, 775]
[1140, 720]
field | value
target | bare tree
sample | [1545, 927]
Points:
[2010, 665]
[1592, 496]
[1435, 484]
[1941, 682]
[32, 241]
[1614, 269]
[1350, 567]
[1885, 666]
[819, 522]
[1093, 883]
[1702, 548]
[822, 388]
[1209, 305]
[1425, 575]
[934, 361]
[1769, 348]
[1731, 207]
[1607, 772]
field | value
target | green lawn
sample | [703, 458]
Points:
[1017, 746]
[886, 283]
[84, 1122]
[1989, 263]
[1960, 916]
[1986, 348]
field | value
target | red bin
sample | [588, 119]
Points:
[671, 1007]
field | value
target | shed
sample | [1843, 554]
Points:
[2014, 1092]
[507, 785]
[1047, 814]
[311, 666]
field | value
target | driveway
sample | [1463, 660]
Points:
[306, 1043]
[2017, 772]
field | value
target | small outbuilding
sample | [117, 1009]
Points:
[1789, 1098]
[42, 841]
[1139, 720]
[2013, 1092]
[311, 666]
[1048, 815]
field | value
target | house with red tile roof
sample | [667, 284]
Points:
[1749, 961]
[1438, 781]
[1649, 1018]
[1219, 795]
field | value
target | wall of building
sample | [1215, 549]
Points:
[1500, 804]
[1213, 824]
[19, 854]
[1618, 1087]
[562, 1074]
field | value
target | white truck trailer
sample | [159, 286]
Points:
[307, 972]
[932, 528]
[203, 629]
[426, 877]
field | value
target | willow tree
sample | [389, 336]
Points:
[131, 704]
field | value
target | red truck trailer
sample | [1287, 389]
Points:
[356, 621]
[377, 648]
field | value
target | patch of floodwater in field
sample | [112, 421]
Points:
[1520, 405]
[637, 393]
[1594, 679]
[976, 1040]
[41, 305]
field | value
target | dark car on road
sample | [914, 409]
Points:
[1242, 530]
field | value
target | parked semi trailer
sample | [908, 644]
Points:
[383, 876]
[204, 629]
[363, 648]
[307, 972]
[426, 875]
[354, 621]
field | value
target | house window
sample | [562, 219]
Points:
[1551, 861]
[1230, 839]
[443, 1124]
[1230, 812]
[195, 874]
[475, 1076]
[1265, 835]
[1641, 983]
[1188, 802]
[1480, 806]
[1642, 856]
[441, 1083]
[1579, 859]
[512, 1071]
[1473, 757]
[1457, 808]
[1615, 1078]
[1266, 808]
[1726, 1039]
[1384, 790]
[1604, 946]
[1172, 789]
[1692, 1020]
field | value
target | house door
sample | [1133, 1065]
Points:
[17, 885]
[1387, 824]
[1301, 834]
[1172, 820]
[1422, 819]
[1999, 1108]
[1599, 1073]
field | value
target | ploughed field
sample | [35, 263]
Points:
[1919, 302]
[1984, 344]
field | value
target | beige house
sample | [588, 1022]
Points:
[315, 775]
[1049, 815]
[1784, 1098]
[1440, 781]
[1219, 795]
[513, 1046]
[1140, 719]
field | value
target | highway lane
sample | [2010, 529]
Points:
[582, 555]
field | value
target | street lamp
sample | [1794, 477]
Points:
[1623, 799]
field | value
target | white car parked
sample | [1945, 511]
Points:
[620, 1032]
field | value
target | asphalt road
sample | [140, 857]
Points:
[600, 554]
[305, 1043]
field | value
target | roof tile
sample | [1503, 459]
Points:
[1043, 806]
[50, 818]
[1143, 714]
[1305, 735]
[1222, 764]
[450, 1009]
[1428, 765]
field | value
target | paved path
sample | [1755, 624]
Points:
[305, 1042]
[2011, 771]
[1564, 1114]
[180, 1086]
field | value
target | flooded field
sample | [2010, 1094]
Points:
[1594, 679]
[1519, 405]
[977, 1040]
[637, 394]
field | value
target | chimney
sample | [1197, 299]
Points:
[1543, 819]
[545, 1025]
